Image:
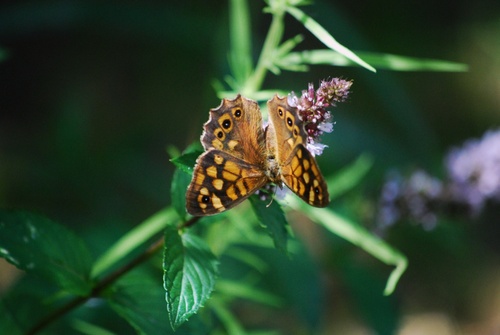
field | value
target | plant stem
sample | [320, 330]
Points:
[98, 288]
[273, 38]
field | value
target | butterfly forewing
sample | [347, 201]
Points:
[299, 170]
[301, 174]
[220, 182]
[236, 128]
[241, 157]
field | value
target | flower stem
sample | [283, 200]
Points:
[273, 38]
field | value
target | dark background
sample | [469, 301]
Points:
[93, 92]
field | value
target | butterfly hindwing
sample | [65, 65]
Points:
[301, 174]
[220, 182]
[242, 157]
[299, 170]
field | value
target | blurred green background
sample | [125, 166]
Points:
[93, 92]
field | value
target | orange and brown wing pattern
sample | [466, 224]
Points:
[299, 170]
[288, 128]
[302, 175]
[236, 127]
[220, 182]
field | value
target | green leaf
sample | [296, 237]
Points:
[140, 300]
[378, 60]
[261, 95]
[190, 270]
[133, 239]
[292, 279]
[350, 176]
[231, 323]
[240, 57]
[7, 323]
[358, 236]
[186, 161]
[324, 36]
[271, 217]
[38, 245]
[180, 183]
[237, 289]
[88, 328]
[364, 283]
[404, 63]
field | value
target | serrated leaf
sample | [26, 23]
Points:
[140, 300]
[30, 301]
[190, 270]
[272, 218]
[180, 182]
[38, 245]
[187, 160]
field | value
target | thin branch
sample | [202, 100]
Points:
[189, 222]
[99, 287]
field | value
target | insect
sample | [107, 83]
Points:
[241, 156]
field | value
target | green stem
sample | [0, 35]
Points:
[273, 38]
[358, 236]
[103, 283]
[98, 288]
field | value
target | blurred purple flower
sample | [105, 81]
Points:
[473, 178]
[414, 198]
[312, 109]
[474, 171]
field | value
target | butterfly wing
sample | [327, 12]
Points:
[299, 170]
[236, 128]
[220, 182]
[233, 166]
[301, 174]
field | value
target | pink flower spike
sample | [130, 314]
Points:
[327, 127]
[312, 106]
[316, 149]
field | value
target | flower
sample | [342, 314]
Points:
[265, 193]
[473, 178]
[415, 198]
[474, 171]
[312, 106]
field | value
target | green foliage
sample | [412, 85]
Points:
[141, 301]
[186, 161]
[190, 270]
[222, 261]
[271, 217]
[134, 239]
[39, 246]
[180, 182]
[7, 322]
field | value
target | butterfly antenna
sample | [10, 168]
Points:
[272, 197]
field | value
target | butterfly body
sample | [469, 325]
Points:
[241, 156]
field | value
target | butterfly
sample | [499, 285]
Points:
[241, 156]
